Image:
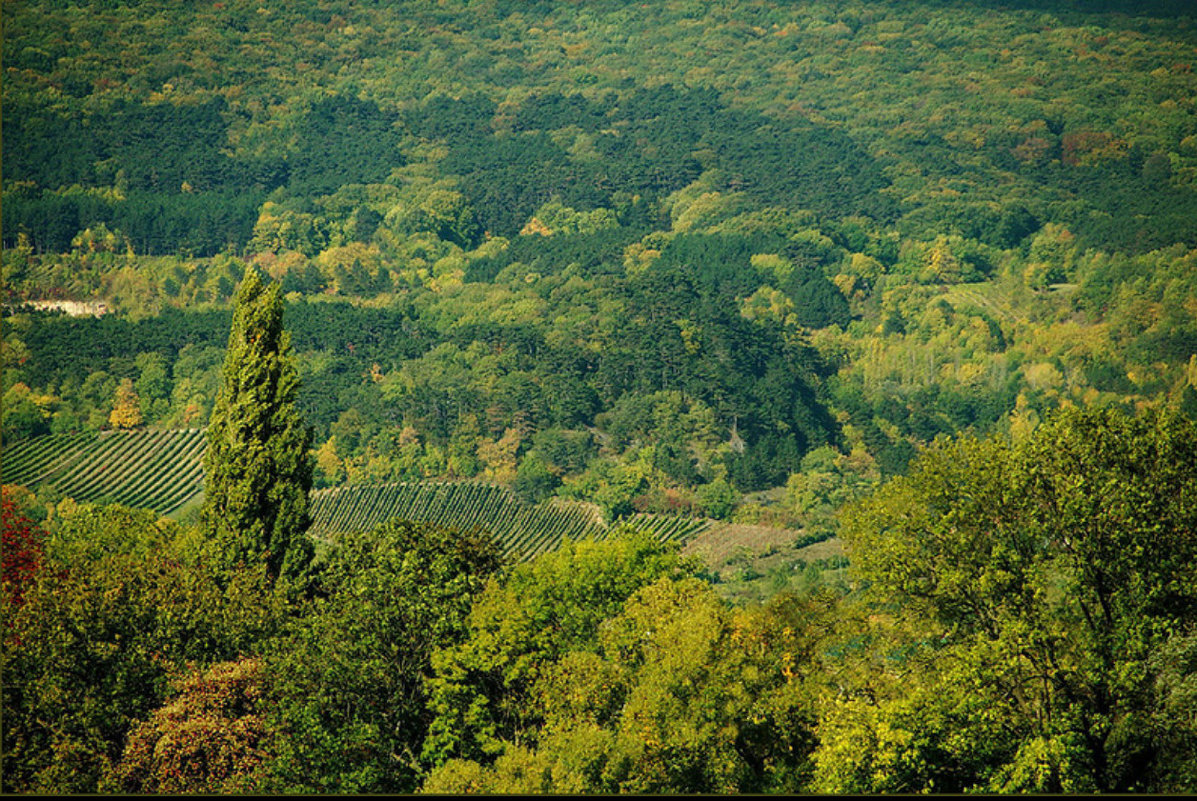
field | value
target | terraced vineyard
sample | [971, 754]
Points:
[159, 470]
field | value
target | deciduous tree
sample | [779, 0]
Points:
[347, 684]
[481, 692]
[207, 739]
[126, 410]
[1035, 582]
[112, 614]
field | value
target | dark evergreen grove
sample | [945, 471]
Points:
[258, 466]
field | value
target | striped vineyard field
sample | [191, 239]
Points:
[163, 470]
[669, 528]
[159, 470]
[523, 530]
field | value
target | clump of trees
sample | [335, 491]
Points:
[1032, 592]
[1020, 620]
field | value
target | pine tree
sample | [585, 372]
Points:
[258, 467]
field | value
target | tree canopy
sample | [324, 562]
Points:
[258, 466]
[1036, 582]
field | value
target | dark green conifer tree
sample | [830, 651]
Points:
[258, 466]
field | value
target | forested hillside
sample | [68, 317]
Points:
[632, 251]
[755, 261]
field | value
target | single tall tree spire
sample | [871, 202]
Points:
[258, 467]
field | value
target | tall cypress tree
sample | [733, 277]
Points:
[258, 467]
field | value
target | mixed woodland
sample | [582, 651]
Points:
[912, 279]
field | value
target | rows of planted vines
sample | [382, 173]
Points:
[669, 527]
[171, 473]
[523, 529]
[32, 461]
[162, 470]
[159, 470]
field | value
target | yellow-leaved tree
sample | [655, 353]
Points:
[126, 410]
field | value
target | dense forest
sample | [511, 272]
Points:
[912, 279]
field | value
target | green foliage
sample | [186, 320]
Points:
[534, 481]
[346, 684]
[342, 140]
[258, 468]
[117, 609]
[718, 498]
[549, 246]
[667, 175]
[86, 533]
[588, 120]
[682, 694]
[1040, 576]
[1171, 726]
[610, 485]
[482, 689]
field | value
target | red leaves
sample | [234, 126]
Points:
[22, 551]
